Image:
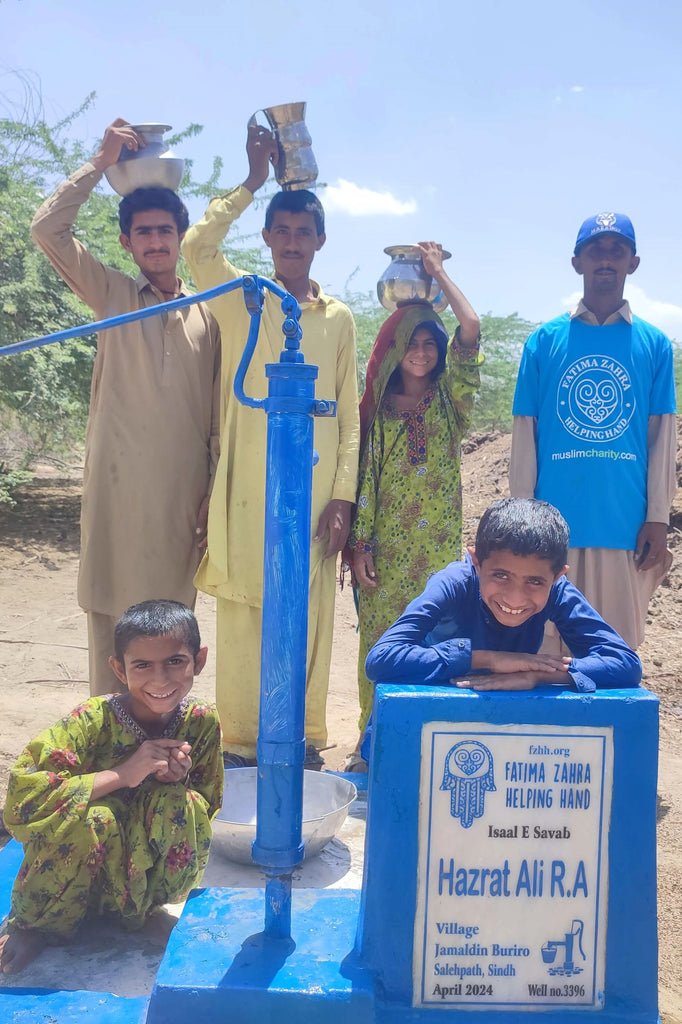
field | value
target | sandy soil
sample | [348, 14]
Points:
[43, 654]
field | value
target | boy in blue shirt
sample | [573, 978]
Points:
[480, 622]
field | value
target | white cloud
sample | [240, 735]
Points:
[665, 315]
[572, 300]
[577, 88]
[347, 197]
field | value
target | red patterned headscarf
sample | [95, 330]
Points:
[389, 351]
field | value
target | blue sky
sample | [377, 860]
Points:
[493, 127]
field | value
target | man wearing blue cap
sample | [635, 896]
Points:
[595, 431]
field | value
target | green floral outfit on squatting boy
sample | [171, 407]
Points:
[124, 854]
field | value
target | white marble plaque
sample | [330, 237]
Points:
[513, 871]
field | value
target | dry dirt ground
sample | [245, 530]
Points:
[43, 656]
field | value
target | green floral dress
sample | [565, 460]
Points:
[409, 507]
[124, 854]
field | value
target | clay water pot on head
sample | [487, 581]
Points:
[151, 166]
[405, 280]
[296, 167]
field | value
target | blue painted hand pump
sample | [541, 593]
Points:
[122, 318]
[290, 408]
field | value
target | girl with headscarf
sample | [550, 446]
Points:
[415, 410]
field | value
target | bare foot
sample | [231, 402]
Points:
[18, 949]
[158, 926]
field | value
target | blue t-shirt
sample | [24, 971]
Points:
[592, 391]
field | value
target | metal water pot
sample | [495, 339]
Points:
[405, 280]
[296, 166]
[149, 167]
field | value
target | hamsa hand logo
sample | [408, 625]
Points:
[468, 774]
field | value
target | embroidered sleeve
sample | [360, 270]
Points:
[468, 352]
[463, 379]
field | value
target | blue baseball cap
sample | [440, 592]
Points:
[613, 223]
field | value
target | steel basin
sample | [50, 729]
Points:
[326, 799]
[152, 166]
[155, 172]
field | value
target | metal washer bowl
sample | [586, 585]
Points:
[326, 799]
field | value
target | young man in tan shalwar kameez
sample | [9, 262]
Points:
[152, 437]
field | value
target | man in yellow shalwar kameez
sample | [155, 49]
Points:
[232, 568]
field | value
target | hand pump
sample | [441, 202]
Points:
[290, 408]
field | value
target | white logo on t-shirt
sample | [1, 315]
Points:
[595, 400]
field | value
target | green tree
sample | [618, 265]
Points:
[503, 338]
[369, 316]
[42, 388]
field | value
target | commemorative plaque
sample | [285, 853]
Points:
[513, 866]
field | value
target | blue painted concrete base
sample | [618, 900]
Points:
[11, 856]
[218, 968]
[392, 852]
[40, 1006]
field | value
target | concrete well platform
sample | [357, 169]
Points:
[218, 967]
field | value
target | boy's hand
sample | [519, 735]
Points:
[334, 520]
[363, 566]
[151, 757]
[651, 546]
[179, 764]
[512, 681]
[118, 135]
[262, 149]
[512, 661]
